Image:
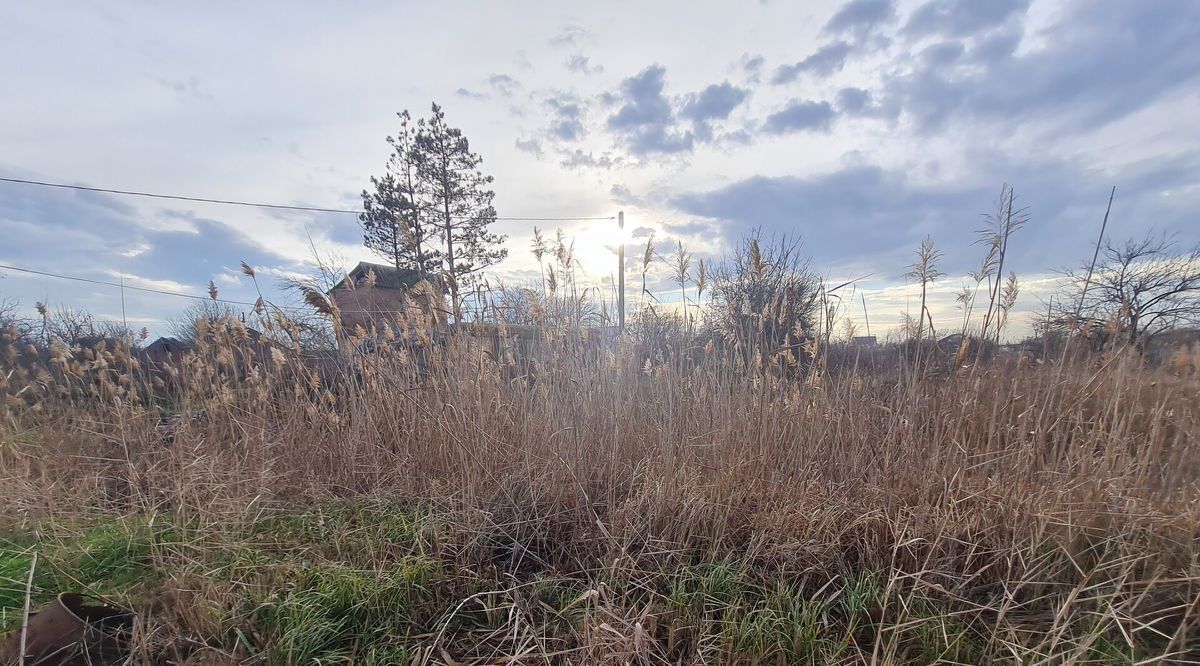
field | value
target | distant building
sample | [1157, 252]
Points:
[166, 350]
[865, 341]
[372, 294]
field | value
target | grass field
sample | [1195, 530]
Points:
[644, 503]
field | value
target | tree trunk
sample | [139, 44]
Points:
[450, 268]
[395, 244]
[418, 236]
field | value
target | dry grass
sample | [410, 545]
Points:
[442, 504]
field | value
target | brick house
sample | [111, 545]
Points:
[372, 294]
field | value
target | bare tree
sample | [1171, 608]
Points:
[522, 306]
[310, 329]
[1142, 286]
[10, 317]
[75, 325]
[187, 325]
[15, 330]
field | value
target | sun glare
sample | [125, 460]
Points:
[596, 247]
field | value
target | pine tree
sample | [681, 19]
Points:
[393, 214]
[457, 202]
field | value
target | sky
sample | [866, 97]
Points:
[858, 128]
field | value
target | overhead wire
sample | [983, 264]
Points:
[118, 285]
[227, 202]
[254, 204]
[164, 292]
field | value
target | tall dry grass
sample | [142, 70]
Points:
[1048, 513]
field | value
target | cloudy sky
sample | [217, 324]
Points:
[860, 127]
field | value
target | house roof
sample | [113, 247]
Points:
[171, 344]
[168, 344]
[390, 277]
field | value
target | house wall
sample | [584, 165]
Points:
[366, 305]
[159, 355]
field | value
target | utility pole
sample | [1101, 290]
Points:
[866, 318]
[621, 273]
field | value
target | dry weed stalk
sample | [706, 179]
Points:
[1048, 512]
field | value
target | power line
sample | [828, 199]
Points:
[227, 202]
[181, 295]
[75, 278]
[253, 204]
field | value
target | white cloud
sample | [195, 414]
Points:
[131, 280]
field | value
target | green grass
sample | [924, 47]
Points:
[110, 559]
[787, 627]
[331, 612]
[348, 530]
[363, 582]
[339, 582]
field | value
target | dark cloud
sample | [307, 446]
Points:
[715, 102]
[199, 253]
[648, 122]
[622, 195]
[752, 68]
[572, 36]
[100, 237]
[741, 137]
[531, 145]
[1104, 60]
[641, 232]
[800, 115]
[860, 103]
[568, 129]
[861, 16]
[846, 214]
[504, 84]
[996, 45]
[661, 140]
[468, 94]
[521, 58]
[581, 64]
[189, 88]
[645, 121]
[853, 100]
[43, 227]
[577, 159]
[334, 227]
[959, 18]
[645, 103]
[567, 123]
[866, 214]
[942, 54]
[692, 228]
[827, 60]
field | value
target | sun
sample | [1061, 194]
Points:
[597, 245]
